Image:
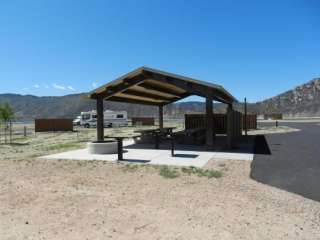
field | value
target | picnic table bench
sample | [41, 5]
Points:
[156, 133]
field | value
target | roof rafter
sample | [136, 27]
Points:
[190, 87]
[147, 95]
[124, 85]
[134, 101]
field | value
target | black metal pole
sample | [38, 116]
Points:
[245, 117]
[172, 145]
[100, 124]
[120, 149]
[156, 140]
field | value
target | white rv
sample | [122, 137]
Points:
[115, 118]
[111, 118]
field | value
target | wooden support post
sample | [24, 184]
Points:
[230, 133]
[245, 117]
[100, 120]
[161, 117]
[209, 123]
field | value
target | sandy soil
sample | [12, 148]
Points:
[94, 200]
[46, 143]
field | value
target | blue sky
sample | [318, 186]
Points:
[255, 49]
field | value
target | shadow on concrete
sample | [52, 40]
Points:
[134, 160]
[186, 155]
[243, 145]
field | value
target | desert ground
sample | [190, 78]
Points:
[48, 199]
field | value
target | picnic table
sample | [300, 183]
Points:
[157, 133]
[119, 139]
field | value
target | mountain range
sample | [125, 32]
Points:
[302, 101]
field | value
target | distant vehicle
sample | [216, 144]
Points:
[115, 118]
[76, 121]
[111, 119]
[88, 119]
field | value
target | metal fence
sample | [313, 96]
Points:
[10, 132]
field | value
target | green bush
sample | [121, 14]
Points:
[167, 172]
[201, 172]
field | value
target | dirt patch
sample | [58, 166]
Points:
[96, 200]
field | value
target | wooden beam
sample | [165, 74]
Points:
[230, 126]
[161, 117]
[134, 101]
[147, 95]
[245, 117]
[100, 120]
[191, 87]
[152, 91]
[181, 97]
[121, 87]
[209, 122]
[147, 85]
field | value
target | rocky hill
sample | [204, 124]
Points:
[28, 107]
[303, 101]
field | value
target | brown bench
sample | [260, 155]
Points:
[191, 136]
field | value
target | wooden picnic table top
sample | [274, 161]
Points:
[154, 130]
[122, 136]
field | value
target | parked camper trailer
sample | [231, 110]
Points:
[115, 118]
[111, 119]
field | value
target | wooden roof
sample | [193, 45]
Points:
[154, 87]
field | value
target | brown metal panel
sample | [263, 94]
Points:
[53, 124]
[143, 121]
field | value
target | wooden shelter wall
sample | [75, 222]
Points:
[197, 121]
[251, 121]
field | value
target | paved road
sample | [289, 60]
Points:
[290, 161]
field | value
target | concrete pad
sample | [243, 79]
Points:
[154, 156]
[233, 156]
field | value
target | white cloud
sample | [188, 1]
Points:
[36, 86]
[94, 85]
[59, 87]
[71, 88]
[62, 87]
[46, 86]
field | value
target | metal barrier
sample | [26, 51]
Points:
[53, 125]
[142, 121]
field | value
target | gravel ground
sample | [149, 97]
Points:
[93, 200]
